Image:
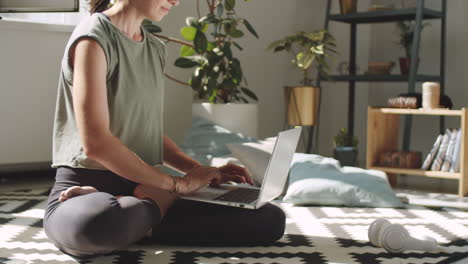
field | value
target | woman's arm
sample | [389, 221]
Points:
[92, 117]
[176, 158]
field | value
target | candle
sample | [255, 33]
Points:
[430, 95]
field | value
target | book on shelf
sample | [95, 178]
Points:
[449, 153]
[439, 158]
[455, 166]
[430, 157]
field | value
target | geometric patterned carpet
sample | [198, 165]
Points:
[314, 235]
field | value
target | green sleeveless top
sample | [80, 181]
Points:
[135, 93]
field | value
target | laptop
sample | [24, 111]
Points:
[250, 197]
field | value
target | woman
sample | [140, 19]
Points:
[108, 146]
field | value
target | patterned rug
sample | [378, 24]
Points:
[314, 235]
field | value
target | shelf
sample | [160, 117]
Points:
[419, 172]
[385, 16]
[382, 78]
[420, 111]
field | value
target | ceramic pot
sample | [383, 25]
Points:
[302, 105]
[405, 65]
[347, 156]
[348, 6]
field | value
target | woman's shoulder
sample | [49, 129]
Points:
[95, 24]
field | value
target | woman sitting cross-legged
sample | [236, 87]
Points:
[108, 146]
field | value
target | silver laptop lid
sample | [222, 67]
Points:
[279, 164]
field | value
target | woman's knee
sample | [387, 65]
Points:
[274, 224]
[87, 225]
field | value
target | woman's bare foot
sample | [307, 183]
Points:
[75, 191]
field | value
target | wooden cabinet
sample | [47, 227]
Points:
[383, 135]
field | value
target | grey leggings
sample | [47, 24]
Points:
[98, 223]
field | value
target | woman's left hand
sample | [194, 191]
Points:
[233, 172]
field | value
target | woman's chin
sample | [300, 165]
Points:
[156, 18]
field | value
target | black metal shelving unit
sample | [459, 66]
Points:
[417, 14]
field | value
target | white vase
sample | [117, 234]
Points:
[237, 117]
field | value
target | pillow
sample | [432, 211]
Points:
[205, 140]
[314, 179]
[223, 160]
[255, 156]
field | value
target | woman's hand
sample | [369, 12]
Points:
[197, 178]
[232, 172]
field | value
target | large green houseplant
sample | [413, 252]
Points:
[217, 75]
[218, 82]
[310, 51]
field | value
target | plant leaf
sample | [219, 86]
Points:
[211, 46]
[317, 49]
[192, 22]
[186, 51]
[237, 45]
[235, 70]
[152, 28]
[249, 93]
[200, 42]
[279, 48]
[208, 19]
[236, 33]
[184, 62]
[304, 60]
[274, 44]
[230, 4]
[195, 83]
[188, 33]
[250, 28]
[227, 50]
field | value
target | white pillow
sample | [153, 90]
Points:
[223, 160]
[254, 156]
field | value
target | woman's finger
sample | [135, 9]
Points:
[241, 170]
[234, 178]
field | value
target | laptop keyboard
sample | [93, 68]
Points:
[240, 195]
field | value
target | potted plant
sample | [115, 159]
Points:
[345, 148]
[406, 34]
[219, 85]
[310, 51]
[218, 82]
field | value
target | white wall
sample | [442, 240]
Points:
[29, 71]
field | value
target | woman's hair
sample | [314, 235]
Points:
[98, 5]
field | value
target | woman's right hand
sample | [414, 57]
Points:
[197, 178]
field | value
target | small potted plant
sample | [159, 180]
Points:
[310, 51]
[345, 148]
[406, 34]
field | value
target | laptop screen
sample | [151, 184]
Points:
[278, 167]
